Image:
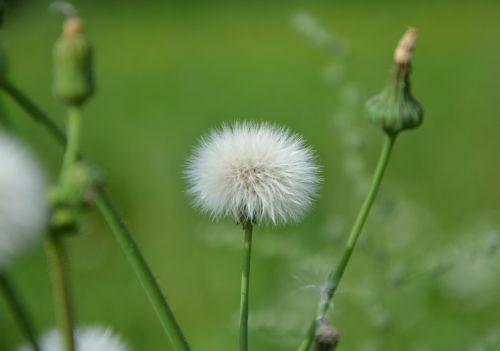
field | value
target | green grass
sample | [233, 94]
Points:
[168, 73]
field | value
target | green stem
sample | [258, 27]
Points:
[20, 313]
[245, 286]
[335, 276]
[33, 110]
[62, 293]
[73, 137]
[55, 247]
[117, 225]
[142, 270]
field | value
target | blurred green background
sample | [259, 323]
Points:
[425, 276]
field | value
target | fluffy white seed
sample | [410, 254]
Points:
[87, 339]
[23, 205]
[253, 172]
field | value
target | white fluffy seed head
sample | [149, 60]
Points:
[86, 339]
[23, 203]
[253, 172]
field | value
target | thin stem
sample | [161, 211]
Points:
[335, 276]
[55, 247]
[245, 286]
[13, 299]
[142, 270]
[33, 110]
[62, 291]
[73, 137]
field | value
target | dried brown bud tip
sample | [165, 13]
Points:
[327, 337]
[404, 51]
[73, 26]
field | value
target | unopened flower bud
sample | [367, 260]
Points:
[73, 78]
[395, 109]
[404, 51]
[69, 196]
[327, 337]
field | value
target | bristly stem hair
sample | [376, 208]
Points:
[336, 275]
[245, 285]
[20, 313]
[117, 225]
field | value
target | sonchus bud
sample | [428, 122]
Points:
[326, 338]
[73, 79]
[395, 109]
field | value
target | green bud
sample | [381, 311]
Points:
[75, 184]
[73, 79]
[326, 338]
[63, 220]
[395, 109]
[70, 196]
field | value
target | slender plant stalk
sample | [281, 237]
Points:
[33, 110]
[335, 276]
[142, 270]
[245, 286]
[55, 245]
[117, 225]
[73, 137]
[20, 313]
[62, 291]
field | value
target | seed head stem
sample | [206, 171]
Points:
[245, 286]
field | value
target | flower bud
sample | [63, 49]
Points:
[327, 337]
[69, 196]
[73, 79]
[395, 109]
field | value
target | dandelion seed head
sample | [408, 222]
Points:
[86, 339]
[23, 205]
[253, 172]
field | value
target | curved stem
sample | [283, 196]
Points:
[336, 275]
[16, 305]
[33, 110]
[62, 291]
[245, 286]
[142, 270]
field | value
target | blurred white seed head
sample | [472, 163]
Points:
[23, 203]
[253, 172]
[86, 339]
